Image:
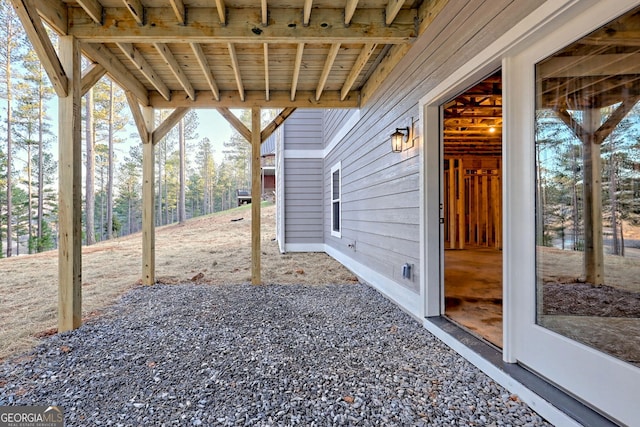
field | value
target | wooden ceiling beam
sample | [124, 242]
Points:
[41, 43]
[93, 9]
[236, 69]
[349, 10]
[179, 10]
[206, 69]
[235, 122]
[222, 12]
[90, 77]
[306, 12]
[138, 60]
[328, 64]
[256, 98]
[116, 69]
[164, 128]
[360, 63]
[136, 10]
[175, 68]
[266, 70]
[392, 10]
[245, 26]
[296, 70]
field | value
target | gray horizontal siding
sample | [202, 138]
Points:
[334, 119]
[303, 130]
[304, 197]
[381, 189]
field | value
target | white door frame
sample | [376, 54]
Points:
[557, 23]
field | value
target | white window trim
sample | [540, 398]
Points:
[334, 168]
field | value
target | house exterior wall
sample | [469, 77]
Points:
[303, 163]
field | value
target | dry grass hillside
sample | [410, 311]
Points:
[209, 250]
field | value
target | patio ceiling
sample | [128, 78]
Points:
[241, 53]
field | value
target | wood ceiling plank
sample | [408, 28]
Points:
[39, 38]
[296, 70]
[360, 63]
[236, 69]
[136, 10]
[349, 10]
[175, 68]
[206, 69]
[93, 9]
[253, 98]
[179, 10]
[138, 60]
[331, 57]
[116, 69]
[244, 26]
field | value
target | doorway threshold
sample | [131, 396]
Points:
[553, 404]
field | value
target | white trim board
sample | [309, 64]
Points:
[303, 154]
[304, 247]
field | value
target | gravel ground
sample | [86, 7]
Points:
[257, 355]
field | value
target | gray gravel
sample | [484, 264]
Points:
[268, 355]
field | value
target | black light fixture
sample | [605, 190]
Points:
[398, 138]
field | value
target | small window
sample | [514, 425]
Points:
[336, 182]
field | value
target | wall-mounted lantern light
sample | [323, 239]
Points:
[398, 138]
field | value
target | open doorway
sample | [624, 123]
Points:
[472, 208]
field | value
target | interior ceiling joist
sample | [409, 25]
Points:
[240, 54]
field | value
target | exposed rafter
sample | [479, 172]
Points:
[136, 10]
[265, 12]
[236, 69]
[331, 57]
[349, 10]
[206, 69]
[393, 8]
[296, 70]
[306, 12]
[244, 26]
[179, 10]
[361, 61]
[138, 60]
[266, 70]
[54, 13]
[42, 45]
[222, 11]
[175, 68]
[93, 9]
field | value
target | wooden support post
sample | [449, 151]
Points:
[453, 209]
[69, 192]
[462, 220]
[148, 204]
[593, 244]
[256, 196]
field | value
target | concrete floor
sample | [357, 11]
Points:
[473, 291]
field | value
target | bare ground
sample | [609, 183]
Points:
[208, 250]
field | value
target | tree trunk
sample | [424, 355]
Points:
[574, 208]
[614, 204]
[9, 149]
[110, 167]
[90, 196]
[40, 162]
[29, 200]
[182, 211]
